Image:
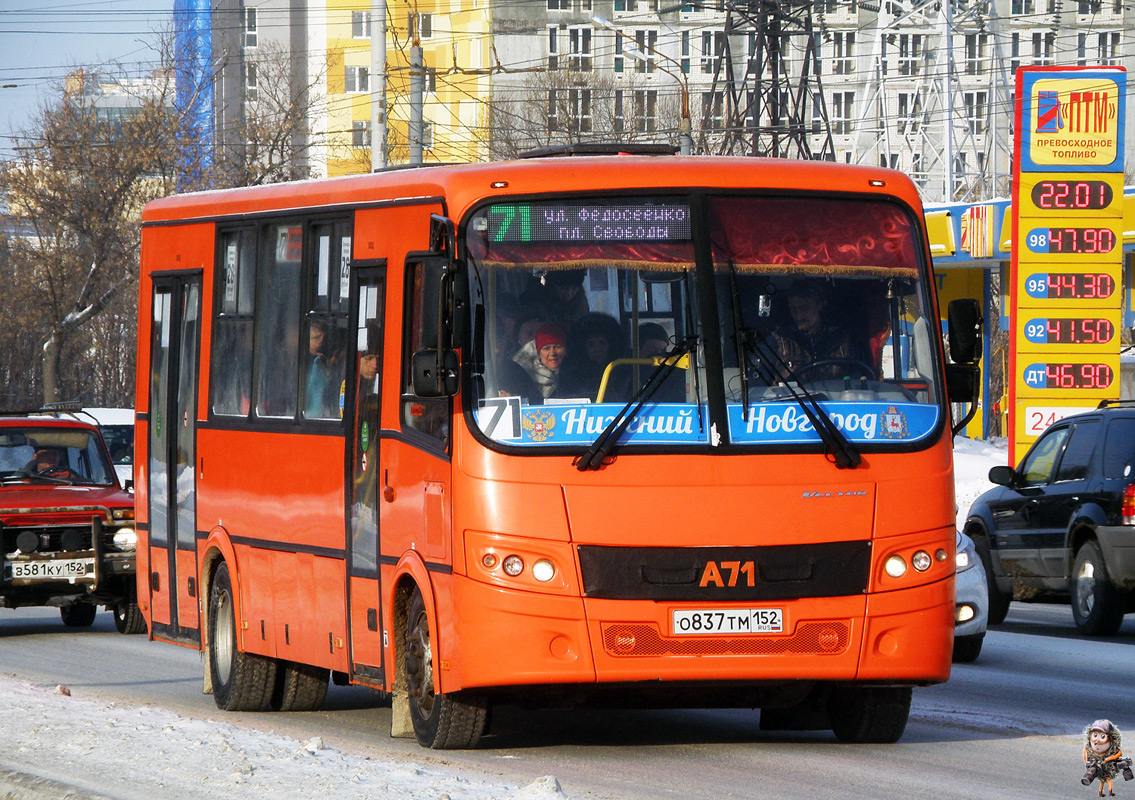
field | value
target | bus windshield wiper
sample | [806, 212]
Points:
[593, 457]
[844, 454]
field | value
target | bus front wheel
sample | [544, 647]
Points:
[869, 714]
[441, 721]
[241, 681]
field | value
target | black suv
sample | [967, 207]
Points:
[1063, 522]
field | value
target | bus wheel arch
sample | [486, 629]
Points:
[240, 681]
[438, 720]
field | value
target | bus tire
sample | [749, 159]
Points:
[1097, 606]
[78, 615]
[128, 617]
[441, 721]
[869, 714]
[299, 687]
[241, 681]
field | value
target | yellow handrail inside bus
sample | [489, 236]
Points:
[681, 362]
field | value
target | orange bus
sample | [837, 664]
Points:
[616, 428]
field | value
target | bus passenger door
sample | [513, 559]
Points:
[365, 597]
[174, 347]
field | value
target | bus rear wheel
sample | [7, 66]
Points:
[441, 721]
[299, 687]
[241, 681]
[869, 714]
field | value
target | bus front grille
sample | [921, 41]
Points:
[634, 639]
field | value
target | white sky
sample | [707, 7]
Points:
[42, 40]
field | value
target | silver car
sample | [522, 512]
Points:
[971, 614]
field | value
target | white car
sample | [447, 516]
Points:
[117, 426]
[971, 614]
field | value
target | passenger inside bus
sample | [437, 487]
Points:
[811, 336]
[595, 340]
[654, 340]
[560, 294]
[540, 361]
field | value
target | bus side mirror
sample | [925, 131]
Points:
[965, 331]
[436, 373]
[963, 383]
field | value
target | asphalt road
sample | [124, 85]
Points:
[1009, 725]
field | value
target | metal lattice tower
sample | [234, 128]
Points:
[776, 107]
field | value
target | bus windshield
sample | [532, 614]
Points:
[819, 311]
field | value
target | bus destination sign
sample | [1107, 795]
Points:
[589, 222]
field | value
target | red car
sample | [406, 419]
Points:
[67, 534]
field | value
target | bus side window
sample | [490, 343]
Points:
[232, 337]
[429, 416]
[278, 321]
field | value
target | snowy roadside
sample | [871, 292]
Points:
[60, 745]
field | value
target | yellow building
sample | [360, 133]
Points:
[456, 45]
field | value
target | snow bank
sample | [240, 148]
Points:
[972, 460]
[104, 749]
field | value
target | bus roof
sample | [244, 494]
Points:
[465, 183]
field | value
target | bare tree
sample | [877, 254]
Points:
[80, 180]
[562, 107]
[269, 137]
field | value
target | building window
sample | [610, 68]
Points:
[553, 47]
[251, 82]
[250, 27]
[360, 24]
[843, 52]
[431, 80]
[975, 104]
[910, 112]
[559, 5]
[579, 48]
[1043, 44]
[910, 54]
[619, 121]
[1107, 52]
[1023, 7]
[356, 80]
[1014, 52]
[646, 110]
[427, 136]
[917, 171]
[685, 62]
[713, 110]
[620, 43]
[1081, 49]
[646, 41]
[579, 101]
[1087, 7]
[959, 171]
[977, 45]
[843, 112]
[817, 115]
[360, 133]
[553, 110]
[712, 46]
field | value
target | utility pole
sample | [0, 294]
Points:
[417, 90]
[378, 73]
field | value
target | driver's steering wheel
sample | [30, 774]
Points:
[856, 367]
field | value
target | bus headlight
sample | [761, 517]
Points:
[125, 539]
[895, 566]
[921, 561]
[543, 570]
[513, 565]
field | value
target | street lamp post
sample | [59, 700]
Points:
[631, 49]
